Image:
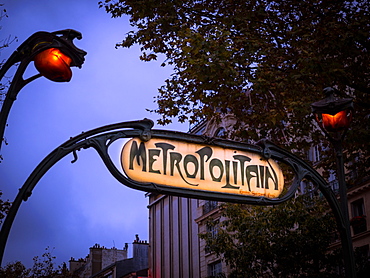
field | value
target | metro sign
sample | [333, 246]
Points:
[188, 165]
[202, 167]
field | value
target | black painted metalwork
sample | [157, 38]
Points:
[36, 43]
[333, 105]
[102, 138]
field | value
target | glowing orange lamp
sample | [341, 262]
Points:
[54, 65]
[333, 114]
[336, 122]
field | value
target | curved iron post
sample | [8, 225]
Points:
[72, 145]
[338, 208]
[101, 138]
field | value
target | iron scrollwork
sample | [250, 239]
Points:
[103, 137]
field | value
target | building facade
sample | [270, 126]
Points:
[210, 264]
[173, 233]
[175, 223]
[359, 209]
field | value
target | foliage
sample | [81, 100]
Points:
[362, 263]
[4, 208]
[43, 267]
[287, 240]
[5, 42]
[14, 270]
[263, 61]
[4, 80]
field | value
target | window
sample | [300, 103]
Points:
[363, 254]
[316, 151]
[333, 181]
[358, 220]
[334, 184]
[363, 251]
[212, 230]
[362, 260]
[314, 154]
[358, 207]
[209, 206]
[215, 270]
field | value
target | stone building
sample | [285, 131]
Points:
[102, 262]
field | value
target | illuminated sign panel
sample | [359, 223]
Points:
[202, 167]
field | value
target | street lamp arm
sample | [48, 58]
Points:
[16, 85]
[30, 79]
[53, 53]
[82, 141]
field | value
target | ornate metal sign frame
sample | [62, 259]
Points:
[102, 138]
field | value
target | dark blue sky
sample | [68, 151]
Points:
[76, 205]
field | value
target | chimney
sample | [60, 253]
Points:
[140, 249]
